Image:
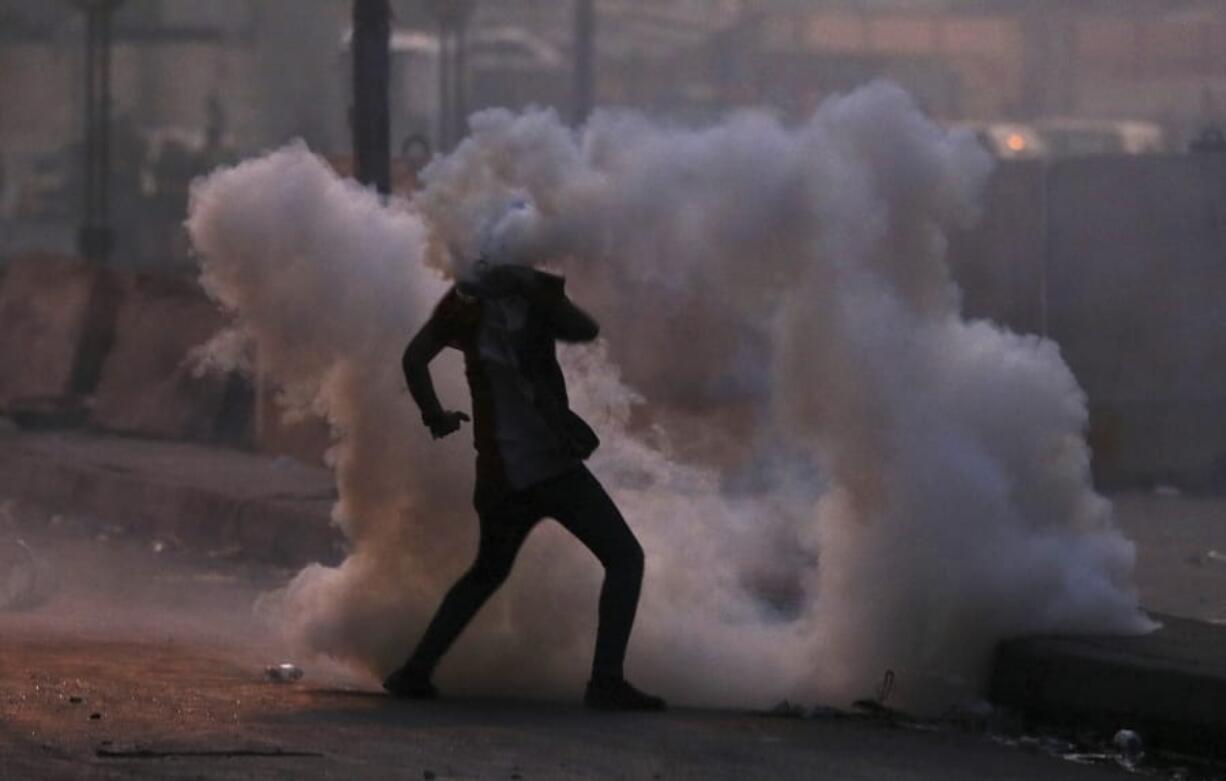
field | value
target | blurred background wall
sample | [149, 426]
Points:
[1104, 222]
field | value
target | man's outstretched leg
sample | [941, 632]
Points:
[501, 538]
[578, 502]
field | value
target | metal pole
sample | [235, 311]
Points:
[585, 81]
[460, 109]
[104, 127]
[96, 239]
[88, 160]
[371, 77]
[452, 16]
[444, 87]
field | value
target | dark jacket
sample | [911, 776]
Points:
[464, 322]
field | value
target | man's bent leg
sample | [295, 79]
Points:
[578, 502]
[502, 535]
[581, 505]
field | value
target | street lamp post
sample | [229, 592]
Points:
[96, 237]
[371, 76]
[585, 73]
[452, 16]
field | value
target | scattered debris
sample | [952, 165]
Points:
[112, 531]
[873, 709]
[827, 712]
[166, 543]
[229, 552]
[974, 716]
[788, 710]
[877, 708]
[283, 673]
[887, 687]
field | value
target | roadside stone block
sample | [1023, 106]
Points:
[56, 322]
[148, 386]
[1169, 686]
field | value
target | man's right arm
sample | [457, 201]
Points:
[415, 362]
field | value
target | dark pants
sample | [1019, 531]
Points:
[578, 502]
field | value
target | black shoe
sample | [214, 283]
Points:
[407, 684]
[617, 694]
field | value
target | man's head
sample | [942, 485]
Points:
[508, 234]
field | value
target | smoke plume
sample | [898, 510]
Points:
[832, 473]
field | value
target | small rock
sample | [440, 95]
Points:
[1129, 747]
[826, 712]
[75, 700]
[95, 716]
[788, 710]
[283, 673]
[428, 775]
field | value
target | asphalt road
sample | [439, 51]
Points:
[146, 664]
[168, 708]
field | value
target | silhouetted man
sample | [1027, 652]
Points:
[530, 453]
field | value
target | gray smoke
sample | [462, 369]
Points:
[832, 473]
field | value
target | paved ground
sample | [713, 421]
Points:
[1181, 552]
[175, 710]
[163, 649]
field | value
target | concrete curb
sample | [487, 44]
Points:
[206, 498]
[1169, 686]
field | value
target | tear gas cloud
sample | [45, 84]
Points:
[832, 473]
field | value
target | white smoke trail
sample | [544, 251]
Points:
[831, 472]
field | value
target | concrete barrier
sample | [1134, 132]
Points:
[998, 263]
[203, 497]
[1136, 266]
[1170, 686]
[1122, 261]
[148, 384]
[56, 324]
[306, 440]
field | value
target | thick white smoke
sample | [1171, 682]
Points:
[832, 473]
